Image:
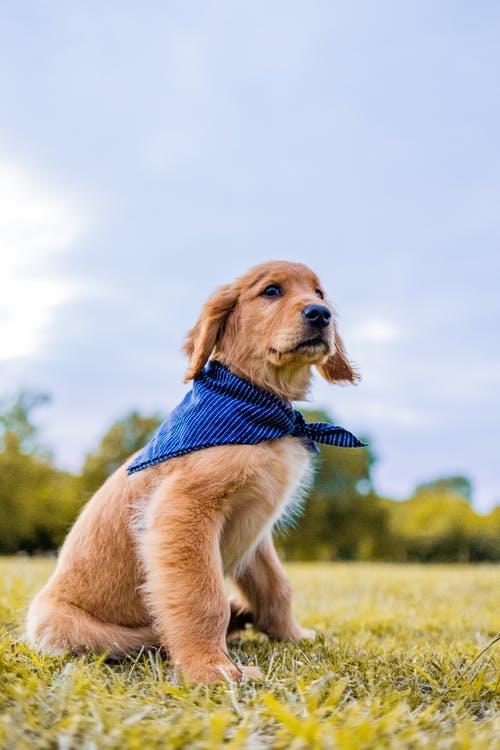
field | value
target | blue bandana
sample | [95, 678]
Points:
[223, 409]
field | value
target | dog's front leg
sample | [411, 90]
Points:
[267, 591]
[185, 583]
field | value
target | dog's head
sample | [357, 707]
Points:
[270, 326]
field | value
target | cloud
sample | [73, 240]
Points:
[375, 330]
[392, 413]
[36, 223]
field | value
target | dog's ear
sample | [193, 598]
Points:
[207, 331]
[337, 368]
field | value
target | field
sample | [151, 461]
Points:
[393, 667]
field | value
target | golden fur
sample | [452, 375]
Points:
[145, 562]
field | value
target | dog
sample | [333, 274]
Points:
[145, 562]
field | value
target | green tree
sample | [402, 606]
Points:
[454, 485]
[440, 526]
[37, 501]
[16, 418]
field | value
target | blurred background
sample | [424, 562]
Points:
[150, 152]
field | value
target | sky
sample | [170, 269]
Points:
[152, 151]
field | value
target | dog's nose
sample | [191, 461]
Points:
[317, 315]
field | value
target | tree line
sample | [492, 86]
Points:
[343, 517]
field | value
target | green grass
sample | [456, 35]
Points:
[387, 671]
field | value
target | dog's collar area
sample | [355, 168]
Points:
[219, 375]
[224, 409]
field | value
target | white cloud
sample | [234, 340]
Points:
[382, 412]
[36, 223]
[376, 330]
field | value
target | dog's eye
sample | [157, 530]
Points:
[273, 290]
[320, 294]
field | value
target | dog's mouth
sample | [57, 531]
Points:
[314, 343]
[308, 346]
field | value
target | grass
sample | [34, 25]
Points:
[392, 668]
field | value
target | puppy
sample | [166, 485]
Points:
[145, 562]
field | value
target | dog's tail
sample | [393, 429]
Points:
[54, 626]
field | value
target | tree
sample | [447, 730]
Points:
[16, 418]
[455, 485]
[37, 501]
[441, 526]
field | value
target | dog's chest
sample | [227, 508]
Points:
[270, 496]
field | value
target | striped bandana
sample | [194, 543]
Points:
[223, 409]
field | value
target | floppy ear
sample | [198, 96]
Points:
[337, 368]
[205, 334]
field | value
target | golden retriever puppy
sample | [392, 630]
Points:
[145, 562]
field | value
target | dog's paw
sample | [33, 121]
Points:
[290, 632]
[251, 673]
[294, 633]
[226, 671]
[300, 634]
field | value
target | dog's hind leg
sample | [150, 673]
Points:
[54, 626]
